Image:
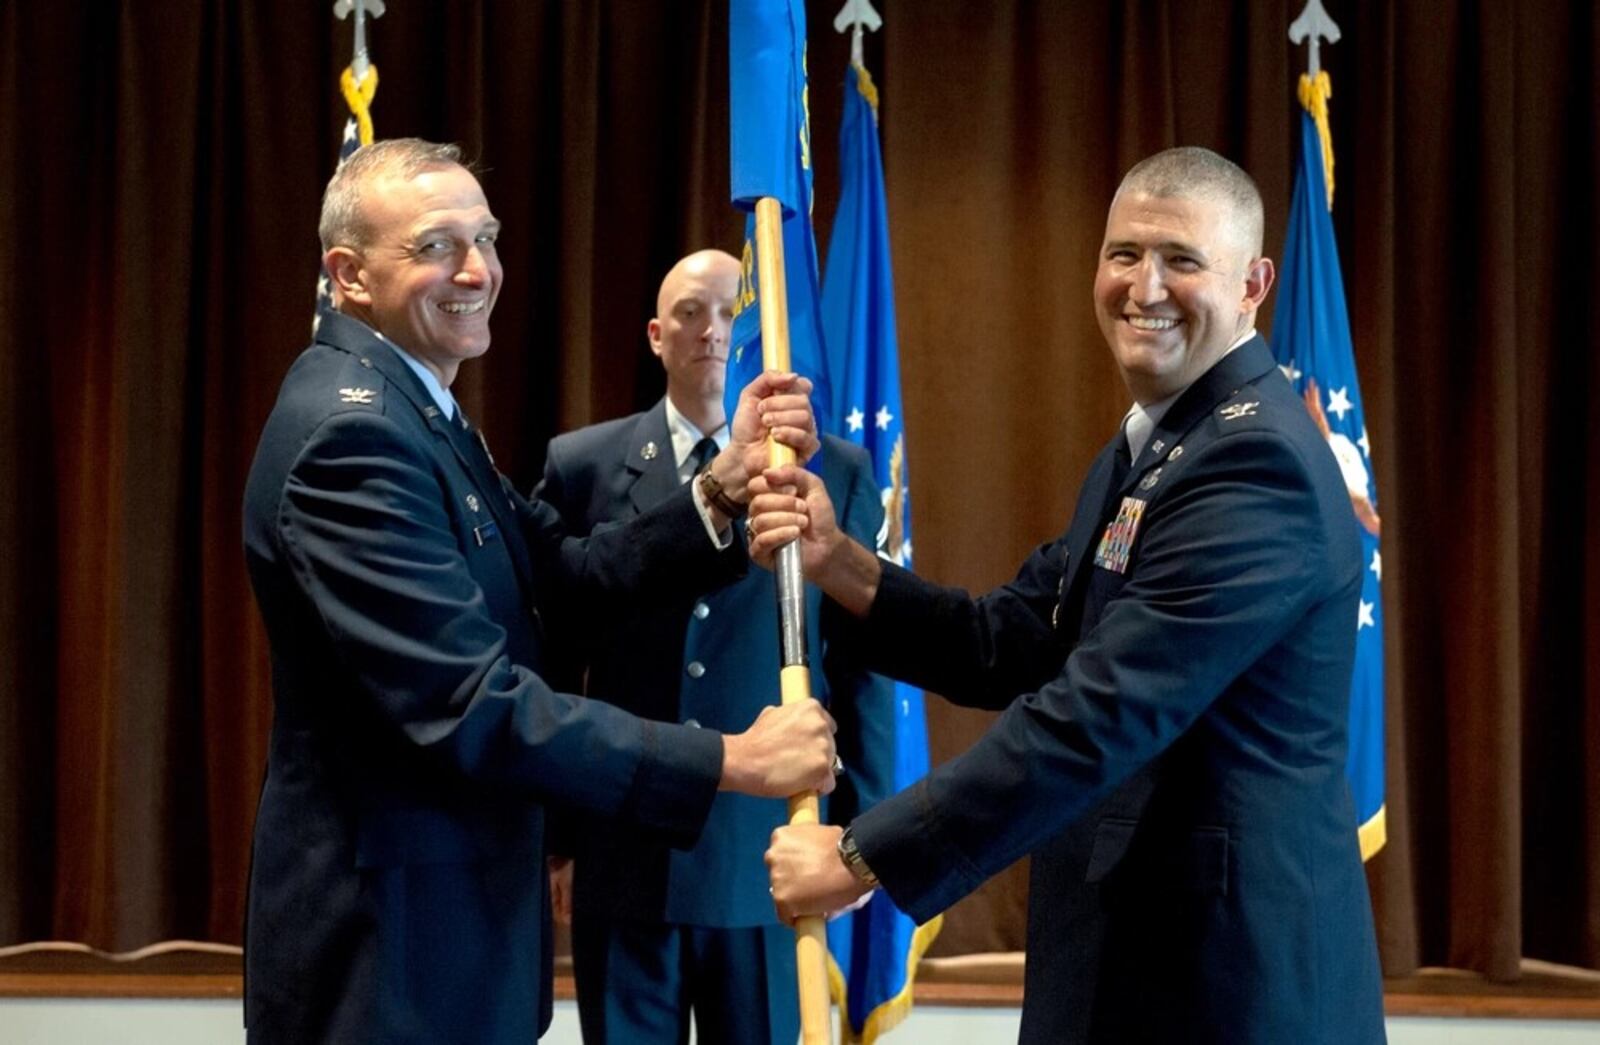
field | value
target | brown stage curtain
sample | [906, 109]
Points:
[159, 182]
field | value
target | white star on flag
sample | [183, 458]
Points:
[1364, 619]
[855, 419]
[1376, 566]
[1366, 447]
[1339, 402]
[1290, 371]
[883, 417]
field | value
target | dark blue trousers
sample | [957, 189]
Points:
[638, 983]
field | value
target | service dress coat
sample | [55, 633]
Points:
[397, 887]
[710, 661]
[1174, 674]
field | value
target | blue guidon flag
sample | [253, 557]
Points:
[771, 156]
[1311, 340]
[874, 950]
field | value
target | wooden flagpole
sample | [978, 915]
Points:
[811, 943]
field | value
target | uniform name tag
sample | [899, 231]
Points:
[1117, 541]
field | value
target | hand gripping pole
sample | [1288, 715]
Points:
[811, 942]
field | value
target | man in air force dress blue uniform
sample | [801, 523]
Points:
[659, 934]
[397, 888]
[1173, 674]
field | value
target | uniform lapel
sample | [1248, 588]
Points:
[473, 452]
[477, 470]
[1238, 368]
[1099, 501]
[648, 457]
[1089, 519]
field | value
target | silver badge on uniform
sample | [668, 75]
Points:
[1150, 480]
[648, 451]
[1234, 411]
[472, 502]
[357, 395]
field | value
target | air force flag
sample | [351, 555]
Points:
[1311, 339]
[876, 949]
[771, 156]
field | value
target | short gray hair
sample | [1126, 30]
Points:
[1190, 172]
[342, 224]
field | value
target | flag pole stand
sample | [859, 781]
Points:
[811, 943]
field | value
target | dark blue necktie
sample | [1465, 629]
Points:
[701, 455]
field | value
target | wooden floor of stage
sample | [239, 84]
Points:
[183, 969]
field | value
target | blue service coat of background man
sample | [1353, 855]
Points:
[397, 889]
[659, 934]
[1174, 674]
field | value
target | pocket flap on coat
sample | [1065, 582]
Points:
[1112, 836]
[1195, 861]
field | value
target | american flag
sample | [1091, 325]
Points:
[347, 147]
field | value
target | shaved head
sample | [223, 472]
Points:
[695, 266]
[689, 334]
[1181, 273]
[1193, 173]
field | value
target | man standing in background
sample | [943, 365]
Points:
[660, 934]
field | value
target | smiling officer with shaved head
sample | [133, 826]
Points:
[397, 887]
[1173, 674]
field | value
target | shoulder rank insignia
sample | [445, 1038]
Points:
[1117, 542]
[1234, 411]
[356, 395]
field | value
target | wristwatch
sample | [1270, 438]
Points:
[717, 497]
[852, 859]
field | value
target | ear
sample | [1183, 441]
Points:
[1258, 280]
[652, 332]
[343, 266]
